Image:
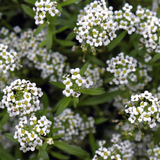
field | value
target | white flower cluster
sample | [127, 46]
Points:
[123, 68]
[120, 150]
[8, 59]
[154, 153]
[43, 8]
[149, 29]
[126, 19]
[96, 26]
[51, 63]
[76, 82]
[95, 73]
[21, 98]
[30, 132]
[143, 108]
[74, 127]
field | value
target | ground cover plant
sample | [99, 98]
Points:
[79, 80]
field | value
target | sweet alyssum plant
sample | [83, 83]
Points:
[79, 80]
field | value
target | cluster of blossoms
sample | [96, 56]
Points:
[95, 73]
[96, 26]
[8, 59]
[30, 132]
[21, 98]
[140, 142]
[122, 67]
[154, 153]
[126, 19]
[119, 150]
[43, 8]
[149, 29]
[143, 108]
[74, 83]
[51, 63]
[73, 126]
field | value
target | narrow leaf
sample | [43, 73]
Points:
[58, 136]
[96, 61]
[63, 105]
[92, 91]
[65, 43]
[70, 36]
[100, 120]
[10, 136]
[155, 58]
[59, 156]
[49, 39]
[68, 2]
[39, 29]
[83, 69]
[115, 42]
[76, 151]
[30, 1]
[58, 84]
[28, 10]
[42, 44]
[99, 99]
[92, 142]
[43, 153]
[4, 119]
[61, 29]
[6, 154]
[56, 129]
[108, 79]
[15, 1]
[45, 100]
[75, 101]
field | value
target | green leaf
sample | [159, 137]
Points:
[76, 151]
[91, 91]
[59, 156]
[30, 1]
[43, 153]
[70, 36]
[75, 101]
[58, 84]
[100, 120]
[108, 79]
[6, 154]
[65, 43]
[45, 100]
[62, 104]
[39, 29]
[42, 44]
[62, 29]
[92, 142]
[83, 69]
[4, 119]
[115, 42]
[15, 1]
[28, 10]
[58, 136]
[49, 39]
[68, 2]
[99, 99]
[155, 58]
[10, 136]
[56, 129]
[96, 61]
